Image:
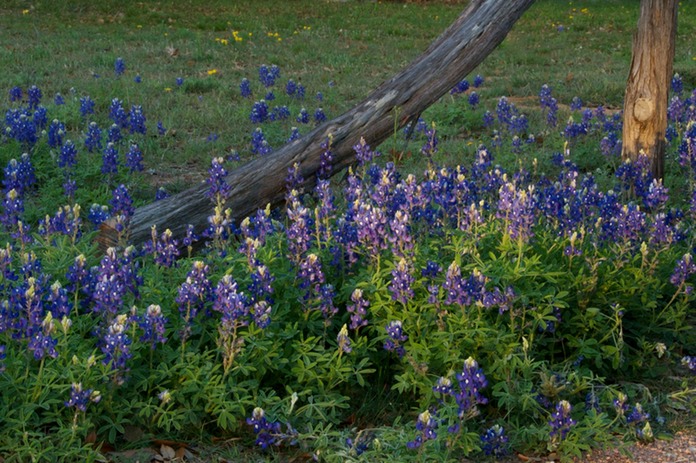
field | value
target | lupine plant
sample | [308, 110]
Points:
[503, 309]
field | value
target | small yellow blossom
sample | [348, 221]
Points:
[212, 71]
[139, 26]
[25, 11]
[167, 89]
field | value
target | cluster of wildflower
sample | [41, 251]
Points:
[268, 75]
[218, 188]
[461, 87]
[193, 294]
[549, 105]
[66, 221]
[682, 271]
[689, 362]
[119, 67]
[509, 117]
[401, 286]
[137, 120]
[116, 347]
[561, 421]
[396, 339]
[80, 398]
[517, 207]
[269, 433]
[494, 442]
[259, 144]
[358, 309]
[86, 106]
[426, 424]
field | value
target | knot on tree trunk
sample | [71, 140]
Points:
[643, 109]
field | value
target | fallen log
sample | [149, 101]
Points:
[463, 46]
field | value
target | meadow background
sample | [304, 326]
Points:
[183, 63]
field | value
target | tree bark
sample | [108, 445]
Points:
[462, 47]
[647, 90]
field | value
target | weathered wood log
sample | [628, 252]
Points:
[465, 44]
[647, 89]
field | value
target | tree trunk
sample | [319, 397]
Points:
[646, 100]
[465, 44]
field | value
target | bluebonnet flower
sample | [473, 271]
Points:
[40, 118]
[245, 88]
[620, 405]
[116, 348]
[682, 271]
[495, 442]
[259, 112]
[134, 158]
[300, 92]
[118, 114]
[689, 362]
[66, 221]
[193, 294]
[98, 214]
[259, 144]
[294, 134]
[58, 99]
[517, 208]
[80, 398]
[93, 137]
[137, 79]
[474, 100]
[267, 75]
[478, 80]
[19, 175]
[319, 116]
[280, 113]
[86, 106]
[325, 303]
[576, 104]
[152, 323]
[425, 425]
[269, 433]
[443, 386]
[122, 206]
[13, 206]
[179, 81]
[290, 87]
[363, 153]
[429, 149]
[137, 120]
[488, 119]
[119, 67]
[640, 424]
[261, 312]
[3, 355]
[218, 188]
[343, 341]
[461, 87]
[311, 275]
[164, 248]
[401, 286]
[299, 233]
[471, 381]
[110, 159]
[21, 126]
[548, 105]
[270, 96]
[591, 399]
[357, 309]
[161, 129]
[34, 96]
[303, 116]
[15, 94]
[394, 343]
[371, 222]
[561, 422]
[677, 84]
[56, 131]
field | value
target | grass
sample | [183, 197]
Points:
[357, 45]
